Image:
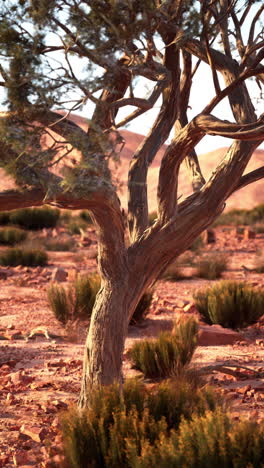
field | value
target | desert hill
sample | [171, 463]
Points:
[245, 198]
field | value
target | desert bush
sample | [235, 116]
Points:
[12, 236]
[212, 266]
[169, 353]
[24, 257]
[209, 440]
[35, 218]
[59, 246]
[85, 216]
[230, 304]
[197, 244]
[256, 215]
[142, 308]
[76, 301]
[233, 217]
[173, 272]
[76, 225]
[116, 429]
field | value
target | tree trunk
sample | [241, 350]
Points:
[105, 341]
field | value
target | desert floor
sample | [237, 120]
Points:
[41, 374]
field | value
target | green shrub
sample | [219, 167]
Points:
[233, 217]
[173, 272]
[205, 441]
[85, 216]
[75, 226]
[142, 308]
[256, 215]
[11, 236]
[59, 246]
[30, 257]
[230, 304]
[76, 301]
[212, 266]
[169, 353]
[114, 430]
[35, 218]
[197, 244]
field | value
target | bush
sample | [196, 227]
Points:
[4, 218]
[212, 266]
[76, 226]
[75, 302]
[115, 430]
[233, 217]
[230, 304]
[11, 236]
[142, 308]
[169, 353]
[35, 218]
[173, 272]
[85, 216]
[25, 257]
[59, 246]
[197, 244]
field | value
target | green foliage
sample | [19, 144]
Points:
[197, 244]
[116, 429]
[4, 218]
[142, 308]
[230, 304]
[75, 226]
[35, 218]
[169, 353]
[24, 257]
[237, 217]
[85, 216]
[59, 246]
[76, 301]
[11, 236]
[212, 266]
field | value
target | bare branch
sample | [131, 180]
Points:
[214, 126]
[249, 178]
[253, 25]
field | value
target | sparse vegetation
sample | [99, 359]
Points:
[230, 304]
[173, 272]
[238, 217]
[197, 244]
[35, 218]
[12, 236]
[76, 225]
[76, 301]
[212, 266]
[85, 216]
[24, 257]
[169, 353]
[59, 246]
[117, 430]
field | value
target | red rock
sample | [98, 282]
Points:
[21, 458]
[20, 378]
[59, 275]
[36, 433]
[248, 234]
[3, 275]
[215, 335]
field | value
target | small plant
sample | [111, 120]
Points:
[142, 308]
[76, 226]
[59, 246]
[230, 304]
[212, 266]
[173, 272]
[85, 216]
[35, 218]
[25, 257]
[12, 236]
[4, 218]
[75, 302]
[169, 353]
[116, 430]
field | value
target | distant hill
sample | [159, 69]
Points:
[248, 197]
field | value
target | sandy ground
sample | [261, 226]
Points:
[41, 374]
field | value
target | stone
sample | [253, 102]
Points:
[215, 335]
[36, 433]
[208, 236]
[59, 275]
[72, 274]
[3, 274]
[21, 457]
[248, 234]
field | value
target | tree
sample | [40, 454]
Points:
[60, 55]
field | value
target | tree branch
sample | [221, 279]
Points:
[249, 178]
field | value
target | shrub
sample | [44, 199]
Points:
[212, 266]
[257, 214]
[11, 236]
[230, 304]
[25, 257]
[115, 430]
[233, 217]
[4, 218]
[142, 308]
[76, 226]
[208, 440]
[197, 244]
[35, 218]
[59, 246]
[75, 302]
[173, 272]
[85, 216]
[169, 353]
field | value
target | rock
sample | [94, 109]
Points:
[248, 234]
[21, 457]
[3, 274]
[36, 433]
[59, 275]
[215, 335]
[208, 236]
[72, 274]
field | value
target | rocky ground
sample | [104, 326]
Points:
[41, 361]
